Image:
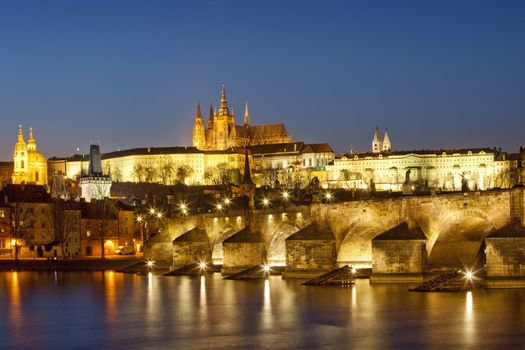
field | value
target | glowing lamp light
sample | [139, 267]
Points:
[354, 270]
[285, 194]
[266, 268]
[183, 206]
[227, 201]
[159, 215]
[139, 218]
[266, 202]
[202, 265]
[219, 206]
[152, 211]
[328, 195]
[469, 275]
[150, 263]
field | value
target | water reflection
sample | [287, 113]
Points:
[113, 310]
[469, 324]
[203, 306]
[266, 317]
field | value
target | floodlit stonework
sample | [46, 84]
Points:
[442, 170]
[30, 166]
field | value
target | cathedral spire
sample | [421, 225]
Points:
[198, 114]
[198, 128]
[223, 110]
[246, 115]
[210, 117]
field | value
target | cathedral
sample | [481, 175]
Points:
[221, 132]
[30, 166]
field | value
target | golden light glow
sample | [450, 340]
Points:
[285, 195]
[139, 218]
[266, 202]
[227, 201]
[152, 211]
[159, 215]
[219, 206]
[266, 268]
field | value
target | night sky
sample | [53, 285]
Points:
[437, 74]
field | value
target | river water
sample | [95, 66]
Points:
[72, 310]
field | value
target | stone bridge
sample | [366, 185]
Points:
[454, 225]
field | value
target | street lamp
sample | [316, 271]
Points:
[266, 202]
[285, 197]
[219, 206]
[227, 201]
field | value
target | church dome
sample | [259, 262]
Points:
[35, 157]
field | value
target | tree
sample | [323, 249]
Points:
[21, 219]
[166, 171]
[138, 173]
[65, 224]
[219, 175]
[183, 172]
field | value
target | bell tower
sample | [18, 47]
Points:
[20, 159]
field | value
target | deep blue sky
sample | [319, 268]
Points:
[435, 73]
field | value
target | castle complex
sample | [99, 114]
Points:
[219, 147]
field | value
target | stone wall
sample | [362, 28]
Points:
[185, 253]
[308, 258]
[240, 256]
[505, 262]
[403, 260]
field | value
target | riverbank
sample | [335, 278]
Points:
[92, 264]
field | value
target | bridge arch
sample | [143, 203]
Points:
[458, 239]
[277, 247]
[217, 255]
[356, 244]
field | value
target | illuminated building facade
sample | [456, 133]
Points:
[446, 170]
[30, 166]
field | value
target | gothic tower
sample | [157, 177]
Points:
[387, 146]
[376, 142]
[199, 139]
[223, 123]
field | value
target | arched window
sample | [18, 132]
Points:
[36, 176]
[22, 164]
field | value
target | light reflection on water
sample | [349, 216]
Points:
[113, 310]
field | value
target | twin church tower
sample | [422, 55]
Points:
[379, 146]
[222, 133]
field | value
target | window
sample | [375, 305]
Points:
[2, 213]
